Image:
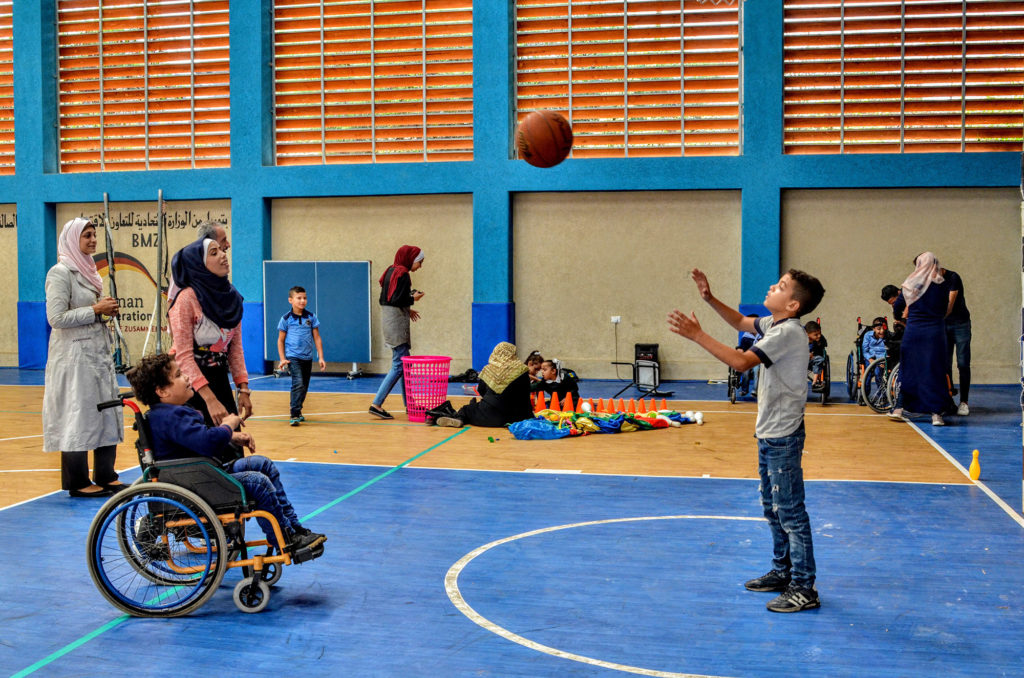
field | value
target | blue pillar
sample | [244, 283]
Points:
[493, 101]
[251, 151]
[35, 154]
[762, 148]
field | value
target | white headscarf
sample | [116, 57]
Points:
[69, 252]
[926, 272]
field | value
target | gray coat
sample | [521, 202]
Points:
[395, 323]
[79, 369]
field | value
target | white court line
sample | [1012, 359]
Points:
[984, 488]
[451, 586]
[551, 470]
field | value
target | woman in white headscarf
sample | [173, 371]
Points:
[923, 386]
[79, 368]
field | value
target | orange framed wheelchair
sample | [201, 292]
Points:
[160, 548]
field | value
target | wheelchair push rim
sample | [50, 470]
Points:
[170, 566]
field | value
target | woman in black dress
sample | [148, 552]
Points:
[504, 389]
[923, 386]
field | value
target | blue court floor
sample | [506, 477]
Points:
[916, 580]
[434, 572]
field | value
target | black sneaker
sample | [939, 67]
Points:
[795, 599]
[445, 409]
[773, 581]
[380, 412]
[304, 538]
[451, 422]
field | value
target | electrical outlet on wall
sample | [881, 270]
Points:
[616, 319]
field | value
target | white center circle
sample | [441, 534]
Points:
[451, 585]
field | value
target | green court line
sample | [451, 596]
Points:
[74, 645]
[71, 646]
[381, 476]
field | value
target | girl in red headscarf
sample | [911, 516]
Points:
[396, 300]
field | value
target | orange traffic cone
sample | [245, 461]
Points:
[567, 405]
[641, 407]
[590, 401]
[579, 406]
[554, 403]
[664, 404]
[622, 406]
[539, 405]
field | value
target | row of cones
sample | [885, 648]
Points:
[632, 407]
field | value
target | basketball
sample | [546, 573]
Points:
[544, 138]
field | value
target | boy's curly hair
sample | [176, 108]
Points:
[151, 373]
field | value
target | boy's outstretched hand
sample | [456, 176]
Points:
[683, 325]
[702, 284]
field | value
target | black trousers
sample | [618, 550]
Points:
[74, 468]
[220, 383]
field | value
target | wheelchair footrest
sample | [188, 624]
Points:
[309, 553]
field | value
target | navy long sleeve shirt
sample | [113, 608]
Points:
[180, 431]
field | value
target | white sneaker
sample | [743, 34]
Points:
[897, 415]
[963, 410]
[937, 420]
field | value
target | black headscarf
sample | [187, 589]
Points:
[218, 298]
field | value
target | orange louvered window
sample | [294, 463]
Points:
[143, 84]
[363, 81]
[6, 89]
[635, 78]
[892, 76]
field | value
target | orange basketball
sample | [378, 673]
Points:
[544, 138]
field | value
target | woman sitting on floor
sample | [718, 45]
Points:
[504, 394]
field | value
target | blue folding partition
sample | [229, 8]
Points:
[339, 295]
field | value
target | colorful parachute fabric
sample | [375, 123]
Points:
[550, 424]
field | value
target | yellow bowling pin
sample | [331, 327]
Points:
[975, 470]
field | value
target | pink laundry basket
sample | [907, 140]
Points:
[426, 383]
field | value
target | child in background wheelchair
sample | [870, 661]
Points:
[818, 368]
[744, 383]
[161, 547]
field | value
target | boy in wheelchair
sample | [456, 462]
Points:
[178, 431]
[816, 344]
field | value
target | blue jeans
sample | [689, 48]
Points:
[393, 375]
[262, 483]
[958, 336]
[782, 499]
[300, 370]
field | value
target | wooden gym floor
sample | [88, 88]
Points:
[606, 555]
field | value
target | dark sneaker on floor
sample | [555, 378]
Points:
[302, 418]
[795, 599]
[305, 538]
[380, 412]
[445, 409]
[294, 421]
[451, 422]
[773, 581]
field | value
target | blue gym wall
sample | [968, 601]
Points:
[252, 181]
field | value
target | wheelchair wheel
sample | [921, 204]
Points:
[874, 388]
[251, 595]
[852, 377]
[271, 573]
[826, 381]
[156, 550]
[894, 385]
[734, 382]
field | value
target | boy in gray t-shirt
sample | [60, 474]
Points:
[781, 397]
